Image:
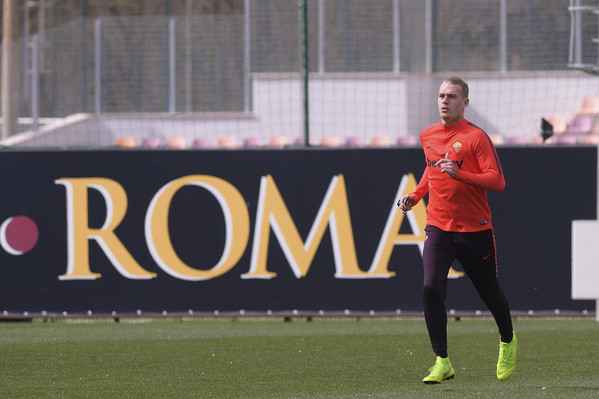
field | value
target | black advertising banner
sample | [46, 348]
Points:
[306, 229]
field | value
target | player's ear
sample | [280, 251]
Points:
[466, 102]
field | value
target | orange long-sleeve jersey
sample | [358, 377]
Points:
[460, 203]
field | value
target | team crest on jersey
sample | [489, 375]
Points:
[457, 147]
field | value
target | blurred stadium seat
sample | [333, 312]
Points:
[354, 142]
[589, 139]
[559, 123]
[581, 124]
[252, 142]
[497, 139]
[201, 143]
[518, 140]
[538, 140]
[278, 142]
[124, 142]
[381, 141]
[227, 143]
[566, 139]
[301, 141]
[590, 106]
[330, 141]
[151, 142]
[176, 143]
[407, 141]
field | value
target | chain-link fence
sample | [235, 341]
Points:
[91, 71]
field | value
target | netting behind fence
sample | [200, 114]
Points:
[212, 73]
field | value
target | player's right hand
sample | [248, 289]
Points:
[407, 202]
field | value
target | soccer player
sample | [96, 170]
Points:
[461, 166]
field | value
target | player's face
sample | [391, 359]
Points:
[451, 101]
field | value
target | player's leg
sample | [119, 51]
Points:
[477, 253]
[437, 256]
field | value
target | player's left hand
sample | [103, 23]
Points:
[447, 166]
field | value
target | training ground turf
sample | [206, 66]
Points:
[322, 358]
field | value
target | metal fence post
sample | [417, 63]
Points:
[35, 57]
[98, 64]
[321, 36]
[429, 26]
[247, 60]
[172, 73]
[396, 37]
[503, 35]
[304, 69]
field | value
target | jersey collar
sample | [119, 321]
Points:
[454, 127]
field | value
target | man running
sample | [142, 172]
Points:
[461, 166]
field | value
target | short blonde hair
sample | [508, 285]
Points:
[455, 80]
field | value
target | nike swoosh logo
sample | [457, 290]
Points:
[487, 257]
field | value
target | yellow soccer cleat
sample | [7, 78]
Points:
[441, 371]
[506, 364]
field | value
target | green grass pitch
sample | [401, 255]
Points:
[271, 358]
